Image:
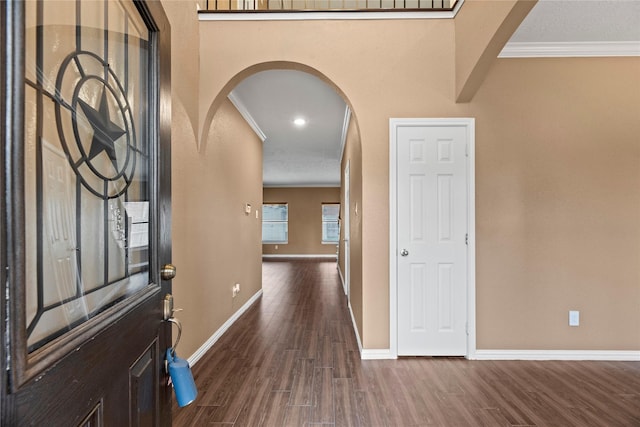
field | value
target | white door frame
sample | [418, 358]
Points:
[347, 231]
[469, 124]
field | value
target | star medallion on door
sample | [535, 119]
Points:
[105, 132]
[95, 123]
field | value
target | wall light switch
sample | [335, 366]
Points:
[257, 216]
[247, 209]
[574, 318]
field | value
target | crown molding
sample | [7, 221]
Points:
[569, 49]
[345, 128]
[246, 115]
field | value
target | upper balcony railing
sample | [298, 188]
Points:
[325, 5]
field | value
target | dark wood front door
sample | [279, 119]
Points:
[85, 213]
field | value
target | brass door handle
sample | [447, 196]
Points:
[168, 272]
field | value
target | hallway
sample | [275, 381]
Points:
[292, 360]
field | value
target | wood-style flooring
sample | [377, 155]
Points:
[292, 360]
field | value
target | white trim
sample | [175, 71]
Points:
[328, 256]
[246, 115]
[377, 354]
[353, 318]
[569, 49]
[469, 124]
[355, 330]
[612, 355]
[346, 232]
[471, 242]
[393, 238]
[345, 129]
[193, 359]
[326, 15]
[344, 284]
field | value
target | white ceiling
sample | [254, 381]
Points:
[310, 156]
[303, 156]
[580, 21]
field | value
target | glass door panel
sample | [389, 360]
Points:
[87, 162]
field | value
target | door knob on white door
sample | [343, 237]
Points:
[404, 252]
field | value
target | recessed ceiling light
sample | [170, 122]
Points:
[299, 121]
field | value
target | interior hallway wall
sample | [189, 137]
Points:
[215, 244]
[353, 155]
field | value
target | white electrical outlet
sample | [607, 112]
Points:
[574, 318]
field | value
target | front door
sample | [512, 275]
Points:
[431, 239]
[86, 213]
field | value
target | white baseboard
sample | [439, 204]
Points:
[355, 330]
[193, 359]
[612, 355]
[327, 256]
[344, 284]
[376, 354]
[368, 354]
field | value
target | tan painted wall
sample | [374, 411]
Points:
[558, 204]
[547, 242]
[305, 219]
[353, 155]
[481, 30]
[185, 60]
[214, 243]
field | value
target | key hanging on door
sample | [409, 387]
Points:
[180, 373]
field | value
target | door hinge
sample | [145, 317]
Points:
[466, 150]
[466, 239]
[466, 328]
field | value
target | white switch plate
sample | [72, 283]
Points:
[574, 318]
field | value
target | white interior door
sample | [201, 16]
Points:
[432, 240]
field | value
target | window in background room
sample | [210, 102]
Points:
[275, 223]
[330, 226]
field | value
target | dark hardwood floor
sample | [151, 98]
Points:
[292, 360]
